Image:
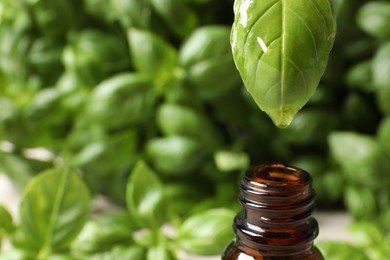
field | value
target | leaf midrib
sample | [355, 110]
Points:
[283, 36]
[54, 215]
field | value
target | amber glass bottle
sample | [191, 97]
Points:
[277, 221]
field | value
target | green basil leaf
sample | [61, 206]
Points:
[9, 109]
[179, 17]
[53, 18]
[235, 109]
[332, 185]
[175, 155]
[145, 197]
[382, 99]
[130, 13]
[206, 42]
[103, 233]
[207, 58]
[106, 172]
[174, 119]
[360, 157]
[97, 155]
[199, 2]
[374, 18]
[64, 257]
[357, 49]
[182, 197]
[44, 104]
[147, 237]
[18, 169]
[383, 134]
[380, 251]
[2, 235]
[88, 50]
[121, 252]
[208, 232]
[13, 51]
[182, 94]
[45, 59]
[72, 95]
[160, 253]
[367, 234]
[381, 67]
[210, 170]
[227, 194]
[15, 255]
[6, 223]
[124, 99]
[360, 76]
[281, 50]
[316, 124]
[152, 55]
[383, 200]
[100, 9]
[20, 255]
[54, 208]
[341, 250]
[360, 202]
[213, 78]
[328, 183]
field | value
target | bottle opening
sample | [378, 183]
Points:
[279, 175]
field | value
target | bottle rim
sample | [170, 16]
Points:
[278, 175]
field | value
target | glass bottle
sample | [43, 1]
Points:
[277, 221]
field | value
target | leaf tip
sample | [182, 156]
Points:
[281, 119]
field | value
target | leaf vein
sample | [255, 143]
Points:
[282, 79]
[274, 40]
[300, 73]
[269, 90]
[321, 15]
[256, 68]
[54, 213]
[310, 31]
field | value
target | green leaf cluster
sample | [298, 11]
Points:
[360, 149]
[55, 222]
[54, 207]
[108, 78]
[370, 242]
[103, 85]
[99, 86]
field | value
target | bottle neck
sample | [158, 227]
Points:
[278, 204]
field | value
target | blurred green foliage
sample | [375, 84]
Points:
[101, 85]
